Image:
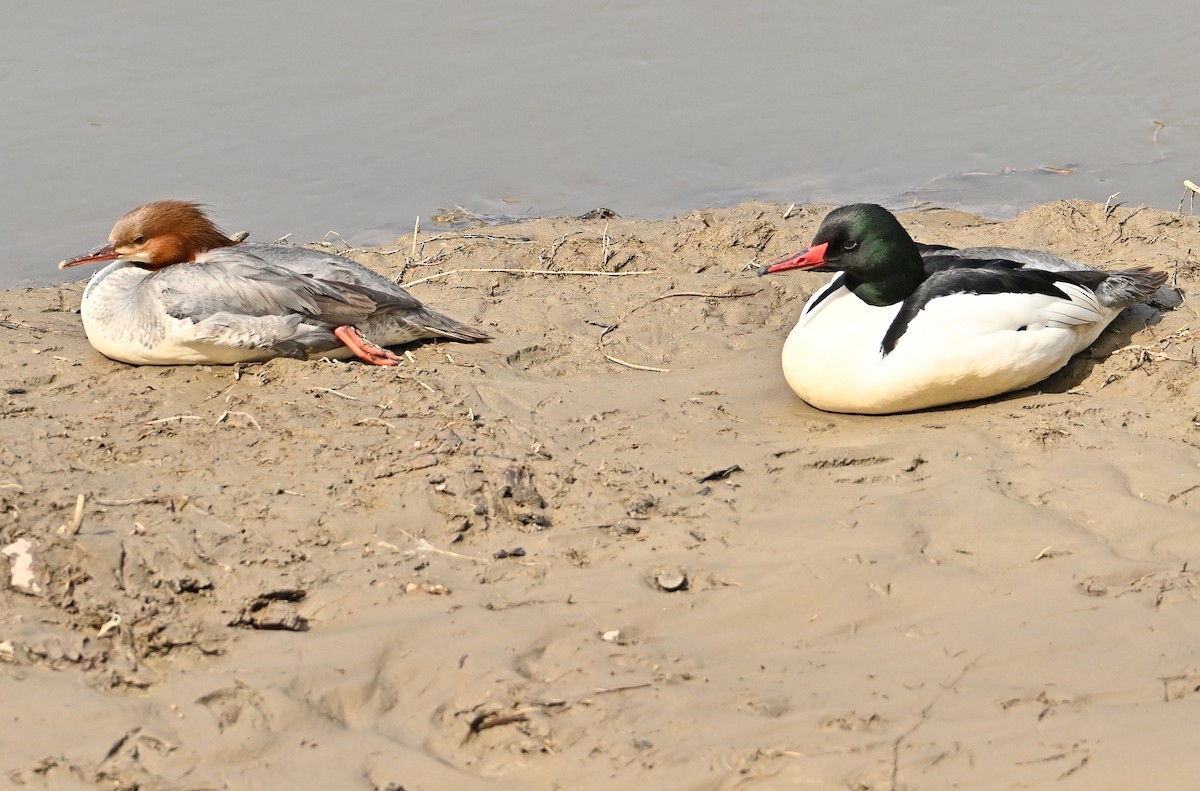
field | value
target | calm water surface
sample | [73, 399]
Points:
[304, 117]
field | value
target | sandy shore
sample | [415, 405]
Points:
[522, 565]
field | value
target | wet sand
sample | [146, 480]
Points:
[608, 547]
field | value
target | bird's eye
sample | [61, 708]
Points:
[851, 244]
[139, 240]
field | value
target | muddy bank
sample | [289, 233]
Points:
[608, 546]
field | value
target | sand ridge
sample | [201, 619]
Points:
[608, 546]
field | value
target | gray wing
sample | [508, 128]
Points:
[1119, 289]
[230, 281]
[322, 265]
[396, 311]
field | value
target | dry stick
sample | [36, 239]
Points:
[734, 295]
[246, 415]
[788, 213]
[131, 501]
[513, 239]
[441, 236]
[1120, 230]
[484, 721]
[548, 257]
[618, 360]
[77, 520]
[423, 545]
[584, 272]
[1190, 190]
[172, 417]
[626, 688]
[332, 391]
[564, 705]
[14, 324]
[416, 230]
[496, 236]
[374, 420]
[418, 381]
[635, 366]
[436, 258]
[325, 239]
[1179, 494]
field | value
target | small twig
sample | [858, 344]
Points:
[610, 327]
[497, 237]
[172, 417]
[416, 230]
[423, 545]
[1190, 190]
[626, 688]
[418, 381]
[1107, 210]
[1120, 230]
[788, 212]
[77, 520]
[131, 501]
[332, 391]
[112, 623]
[734, 295]
[617, 360]
[635, 366]
[325, 239]
[604, 257]
[1179, 494]
[14, 324]
[484, 721]
[561, 706]
[377, 420]
[227, 413]
[543, 272]
[548, 256]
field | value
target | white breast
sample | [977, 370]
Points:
[958, 348]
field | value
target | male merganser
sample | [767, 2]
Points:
[181, 291]
[906, 326]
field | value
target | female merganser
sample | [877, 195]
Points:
[229, 301]
[905, 326]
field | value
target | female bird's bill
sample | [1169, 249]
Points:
[104, 252]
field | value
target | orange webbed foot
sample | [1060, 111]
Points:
[364, 349]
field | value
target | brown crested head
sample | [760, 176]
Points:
[166, 232]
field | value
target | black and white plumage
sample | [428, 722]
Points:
[905, 326]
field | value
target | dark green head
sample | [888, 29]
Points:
[867, 242]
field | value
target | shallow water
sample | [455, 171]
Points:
[307, 117]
